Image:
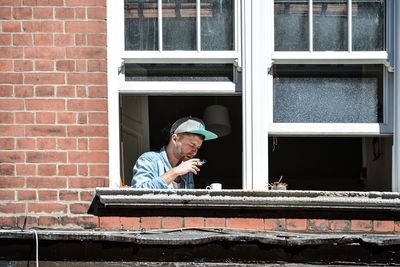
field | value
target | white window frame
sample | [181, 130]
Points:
[118, 56]
[334, 57]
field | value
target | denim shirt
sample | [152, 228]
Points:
[148, 170]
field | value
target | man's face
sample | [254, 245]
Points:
[187, 145]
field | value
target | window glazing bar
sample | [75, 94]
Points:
[310, 25]
[198, 26]
[349, 25]
[160, 32]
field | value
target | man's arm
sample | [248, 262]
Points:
[146, 174]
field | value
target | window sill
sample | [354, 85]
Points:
[289, 203]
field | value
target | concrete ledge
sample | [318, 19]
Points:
[248, 200]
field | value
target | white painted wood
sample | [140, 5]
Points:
[180, 57]
[396, 133]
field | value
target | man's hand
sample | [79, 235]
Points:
[185, 167]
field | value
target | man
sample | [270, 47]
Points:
[174, 165]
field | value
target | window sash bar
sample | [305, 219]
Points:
[160, 24]
[310, 26]
[349, 25]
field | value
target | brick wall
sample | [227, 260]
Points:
[53, 111]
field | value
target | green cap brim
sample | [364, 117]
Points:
[207, 134]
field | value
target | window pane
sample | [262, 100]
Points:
[179, 24]
[179, 72]
[217, 24]
[291, 25]
[330, 25]
[141, 28]
[328, 94]
[368, 25]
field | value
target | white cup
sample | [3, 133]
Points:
[214, 186]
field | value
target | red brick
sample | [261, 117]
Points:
[110, 222]
[66, 143]
[128, 223]
[82, 118]
[44, 78]
[215, 222]
[67, 170]
[24, 117]
[6, 118]
[22, 13]
[47, 169]
[45, 104]
[7, 143]
[97, 66]
[66, 117]
[81, 90]
[86, 183]
[68, 195]
[26, 169]
[27, 221]
[5, 39]
[42, 183]
[42, 26]
[26, 143]
[43, 2]
[45, 52]
[44, 65]
[193, 222]
[11, 52]
[87, 131]
[97, 39]
[98, 118]
[11, 130]
[86, 195]
[22, 39]
[6, 90]
[10, 2]
[45, 130]
[397, 226]
[23, 65]
[83, 170]
[98, 170]
[26, 195]
[48, 195]
[46, 157]
[150, 222]
[172, 222]
[43, 13]
[245, 223]
[85, 26]
[96, 13]
[11, 26]
[65, 65]
[48, 221]
[11, 157]
[11, 78]
[7, 195]
[6, 65]
[11, 104]
[23, 91]
[88, 157]
[12, 182]
[361, 225]
[85, 2]
[64, 13]
[318, 225]
[12, 208]
[5, 12]
[64, 40]
[81, 221]
[383, 226]
[82, 144]
[43, 39]
[8, 222]
[340, 225]
[296, 224]
[65, 91]
[44, 91]
[98, 144]
[45, 117]
[80, 40]
[86, 52]
[79, 208]
[7, 169]
[47, 207]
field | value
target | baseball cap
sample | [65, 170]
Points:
[192, 125]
